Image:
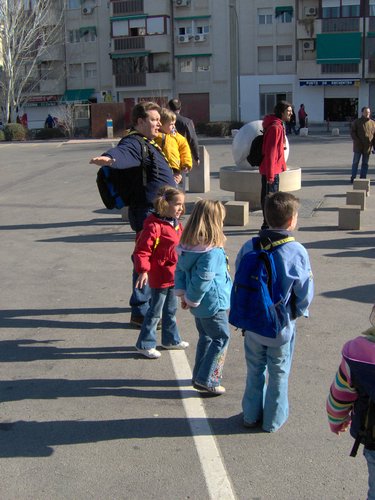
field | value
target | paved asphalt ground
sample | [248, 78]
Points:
[83, 416]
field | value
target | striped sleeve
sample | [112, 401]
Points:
[340, 400]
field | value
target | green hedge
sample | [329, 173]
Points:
[15, 132]
[49, 133]
[217, 129]
[2, 136]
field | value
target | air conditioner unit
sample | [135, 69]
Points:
[308, 45]
[182, 3]
[87, 10]
[183, 38]
[310, 11]
[200, 38]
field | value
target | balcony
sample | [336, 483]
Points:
[130, 80]
[127, 7]
[129, 43]
[340, 24]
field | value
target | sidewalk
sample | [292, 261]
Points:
[85, 417]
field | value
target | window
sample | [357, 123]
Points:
[284, 53]
[155, 26]
[203, 64]
[265, 54]
[195, 26]
[88, 35]
[265, 16]
[268, 101]
[185, 30]
[202, 30]
[140, 26]
[340, 8]
[74, 71]
[284, 14]
[74, 4]
[186, 65]
[90, 70]
[371, 7]
[74, 36]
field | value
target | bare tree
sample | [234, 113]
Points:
[29, 30]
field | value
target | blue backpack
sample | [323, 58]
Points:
[257, 303]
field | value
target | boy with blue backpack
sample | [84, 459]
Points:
[273, 286]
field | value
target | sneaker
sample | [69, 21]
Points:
[251, 425]
[177, 347]
[149, 353]
[136, 320]
[351, 180]
[217, 390]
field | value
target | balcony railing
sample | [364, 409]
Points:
[129, 43]
[340, 24]
[130, 80]
[128, 7]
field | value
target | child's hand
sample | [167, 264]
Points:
[141, 280]
[184, 305]
[177, 178]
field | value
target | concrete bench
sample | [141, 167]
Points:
[350, 217]
[237, 213]
[356, 197]
[362, 184]
[335, 131]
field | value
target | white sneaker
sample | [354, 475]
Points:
[218, 390]
[177, 347]
[149, 353]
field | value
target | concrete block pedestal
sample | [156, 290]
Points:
[350, 217]
[237, 213]
[246, 184]
[362, 184]
[356, 197]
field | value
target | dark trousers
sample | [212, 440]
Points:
[140, 298]
[266, 189]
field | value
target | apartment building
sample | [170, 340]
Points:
[225, 59]
[320, 53]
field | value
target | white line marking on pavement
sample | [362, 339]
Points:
[217, 480]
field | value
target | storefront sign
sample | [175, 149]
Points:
[323, 83]
[42, 100]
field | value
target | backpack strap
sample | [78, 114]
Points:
[146, 153]
[272, 244]
[366, 432]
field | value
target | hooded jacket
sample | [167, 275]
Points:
[354, 383]
[273, 148]
[202, 278]
[176, 149]
[155, 250]
[294, 271]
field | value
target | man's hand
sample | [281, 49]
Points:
[141, 280]
[102, 161]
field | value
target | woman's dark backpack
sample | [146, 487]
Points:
[255, 155]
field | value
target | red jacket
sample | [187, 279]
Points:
[273, 148]
[155, 251]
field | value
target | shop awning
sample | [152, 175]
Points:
[81, 95]
[280, 10]
[87, 29]
[129, 54]
[338, 48]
